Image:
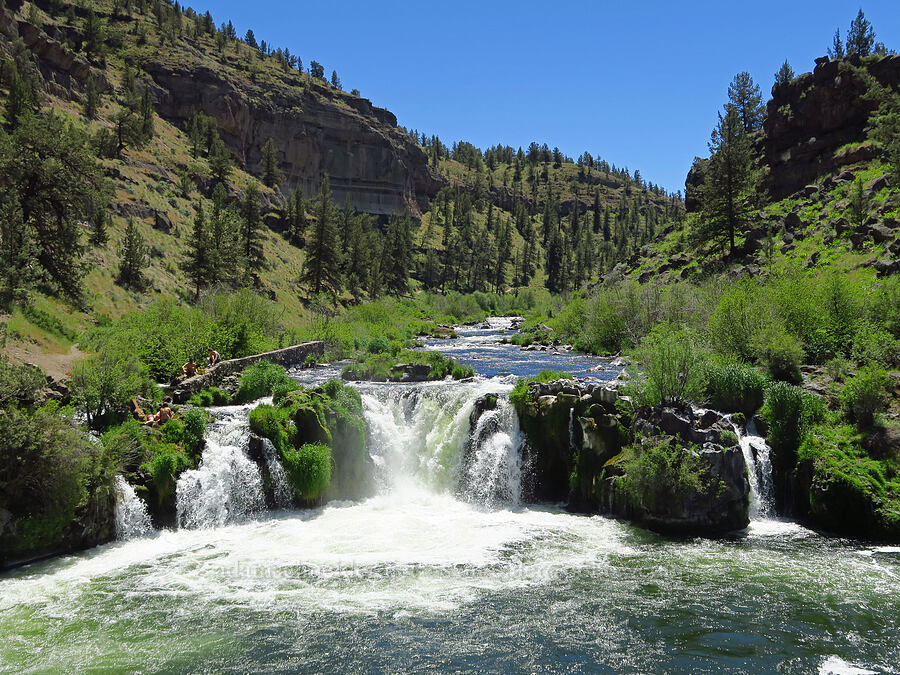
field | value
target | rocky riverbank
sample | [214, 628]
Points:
[673, 471]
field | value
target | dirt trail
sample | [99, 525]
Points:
[56, 365]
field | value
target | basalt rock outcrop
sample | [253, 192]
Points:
[317, 130]
[810, 118]
[583, 440]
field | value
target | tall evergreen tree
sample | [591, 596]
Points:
[744, 95]
[197, 264]
[860, 37]
[836, 51]
[322, 267]
[252, 233]
[784, 75]
[224, 251]
[91, 99]
[728, 188]
[271, 171]
[397, 255]
[132, 257]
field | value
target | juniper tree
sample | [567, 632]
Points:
[132, 257]
[322, 266]
[220, 164]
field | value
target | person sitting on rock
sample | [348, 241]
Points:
[213, 358]
[189, 369]
[165, 412]
[136, 410]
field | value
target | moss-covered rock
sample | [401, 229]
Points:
[840, 487]
[327, 417]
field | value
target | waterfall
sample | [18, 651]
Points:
[759, 469]
[421, 436]
[280, 488]
[227, 485]
[494, 469]
[132, 519]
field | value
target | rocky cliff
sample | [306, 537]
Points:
[317, 129]
[810, 119]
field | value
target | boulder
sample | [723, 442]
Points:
[410, 372]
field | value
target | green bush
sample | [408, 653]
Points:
[837, 368]
[735, 320]
[780, 352]
[657, 474]
[209, 397]
[865, 394]
[735, 387]
[103, 384]
[272, 423]
[194, 431]
[19, 384]
[259, 380]
[672, 367]
[789, 412]
[46, 468]
[872, 344]
[728, 438]
[282, 389]
[308, 470]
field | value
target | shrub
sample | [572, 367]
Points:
[658, 474]
[19, 384]
[780, 352]
[728, 438]
[102, 384]
[837, 368]
[308, 470]
[672, 367]
[282, 389]
[735, 387]
[865, 394]
[734, 320]
[259, 380]
[209, 397]
[789, 412]
[873, 344]
[272, 423]
[194, 431]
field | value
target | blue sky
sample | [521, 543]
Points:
[638, 84]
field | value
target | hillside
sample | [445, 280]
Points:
[214, 103]
[826, 195]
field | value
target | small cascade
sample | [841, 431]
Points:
[493, 473]
[759, 469]
[132, 519]
[281, 490]
[572, 430]
[421, 436]
[227, 485]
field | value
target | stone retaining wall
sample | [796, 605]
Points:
[289, 356]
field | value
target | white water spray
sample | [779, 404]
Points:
[132, 519]
[759, 469]
[227, 486]
[418, 437]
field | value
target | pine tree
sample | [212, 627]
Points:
[322, 267]
[132, 257]
[597, 215]
[17, 250]
[219, 160]
[224, 254]
[91, 99]
[504, 255]
[146, 121]
[93, 35]
[335, 80]
[860, 37]
[836, 51]
[784, 75]
[198, 264]
[296, 216]
[745, 96]
[252, 233]
[271, 172]
[728, 188]
[397, 255]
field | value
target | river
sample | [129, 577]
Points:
[444, 569]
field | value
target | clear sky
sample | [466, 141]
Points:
[638, 84]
